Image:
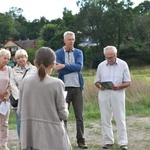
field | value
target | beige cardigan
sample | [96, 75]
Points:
[42, 109]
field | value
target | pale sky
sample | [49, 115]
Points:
[50, 9]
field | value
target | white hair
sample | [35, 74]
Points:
[21, 52]
[110, 47]
[68, 33]
[5, 52]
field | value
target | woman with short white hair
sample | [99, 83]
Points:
[22, 66]
[4, 95]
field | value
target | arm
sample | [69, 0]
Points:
[98, 78]
[14, 85]
[126, 79]
[20, 98]
[97, 84]
[69, 68]
[61, 102]
[4, 95]
[121, 86]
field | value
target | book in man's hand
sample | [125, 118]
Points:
[107, 84]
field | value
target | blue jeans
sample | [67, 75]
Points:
[17, 122]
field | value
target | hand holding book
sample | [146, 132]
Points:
[107, 84]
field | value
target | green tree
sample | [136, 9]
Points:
[31, 55]
[7, 28]
[15, 12]
[69, 19]
[57, 41]
[143, 7]
[107, 22]
[88, 56]
[141, 30]
[47, 32]
[35, 26]
[20, 23]
[21, 27]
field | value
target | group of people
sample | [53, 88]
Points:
[43, 107]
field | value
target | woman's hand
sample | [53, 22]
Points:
[3, 95]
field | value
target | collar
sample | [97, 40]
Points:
[68, 51]
[114, 63]
[25, 67]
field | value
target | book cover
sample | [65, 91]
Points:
[107, 84]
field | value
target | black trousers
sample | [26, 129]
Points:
[75, 97]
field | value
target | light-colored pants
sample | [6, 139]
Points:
[112, 103]
[4, 128]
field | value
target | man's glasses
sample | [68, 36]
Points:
[109, 58]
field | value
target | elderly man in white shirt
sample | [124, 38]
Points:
[112, 101]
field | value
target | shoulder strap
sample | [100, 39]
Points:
[25, 73]
[8, 72]
[8, 68]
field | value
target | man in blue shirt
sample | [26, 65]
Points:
[69, 65]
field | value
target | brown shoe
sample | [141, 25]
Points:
[124, 147]
[108, 146]
[82, 145]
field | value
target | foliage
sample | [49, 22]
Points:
[7, 28]
[15, 12]
[69, 19]
[52, 35]
[141, 30]
[47, 32]
[110, 22]
[88, 58]
[39, 44]
[35, 26]
[57, 41]
[135, 53]
[31, 55]
[138, 96]
[92, 21]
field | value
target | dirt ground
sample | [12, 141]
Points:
[138, 134]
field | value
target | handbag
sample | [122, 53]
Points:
[13, 101]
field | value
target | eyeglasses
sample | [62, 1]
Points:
[109, 58]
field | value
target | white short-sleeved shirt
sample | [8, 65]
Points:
[117, 73]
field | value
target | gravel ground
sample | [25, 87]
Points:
[138, 134]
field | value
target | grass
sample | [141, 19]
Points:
[12, 121]
[137, 104]
[137, 96]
